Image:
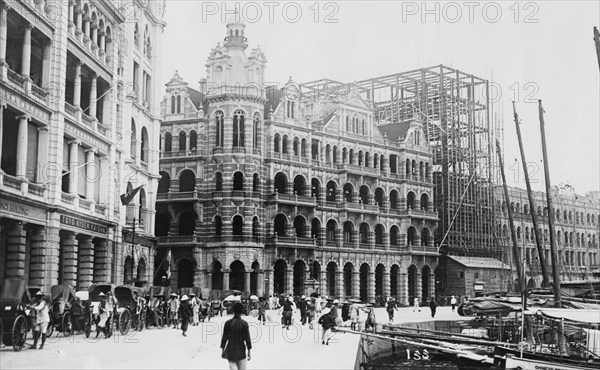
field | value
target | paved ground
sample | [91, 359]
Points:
[274, 348]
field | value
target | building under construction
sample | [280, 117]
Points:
[455, 108]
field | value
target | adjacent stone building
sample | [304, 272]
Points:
[267, 190]
[79, 125]
[577, 227]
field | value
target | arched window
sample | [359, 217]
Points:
[280, 225]
[277, 143]
[331, 230]
[364, 233]
[255, 128]
[193, 140]
[182, 141]
[144, 143]
[303, 148]
[238, 181]
[218, 223]
[168, 142]
[394, 199]
[348, 192]
[410, 200]
[296, 147]
[284, 145]
[348, 232]
[379, 231]
[187, 181]
[164, 184]
[394, 235]
[238, 129]
[299, 185]
[425, 202]
[330, 192]
[280, 183]
[379, 197]
[133, 143]
[219, 122]
[237, 225]
[425, 236]
[300, 226]
[411, 235]
[218, 181]
[255, 182]
[335, 154]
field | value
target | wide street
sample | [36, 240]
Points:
[273, 347]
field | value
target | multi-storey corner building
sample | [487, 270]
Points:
[79, 126]
[577, 227]
[267, 190]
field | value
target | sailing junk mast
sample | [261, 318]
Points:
[537, 229]
[513, 234]
[553, 253]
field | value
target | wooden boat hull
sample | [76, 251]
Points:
[512, 362]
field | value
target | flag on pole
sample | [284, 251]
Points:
[127, 197]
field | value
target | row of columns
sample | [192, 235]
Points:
[90, 170]
[83, 261]
[90, 31]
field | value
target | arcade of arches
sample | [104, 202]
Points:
[351, 279]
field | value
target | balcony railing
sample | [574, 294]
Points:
[100, 209]
[36, 190]
[85, 204]
[67, 198]
[12, 182]
[39, 92]
[15, 77]
[292, 241]
[70, 109]
[178, 239]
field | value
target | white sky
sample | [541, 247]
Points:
[536, 50]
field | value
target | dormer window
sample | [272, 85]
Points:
[175, 104]
[290, 109]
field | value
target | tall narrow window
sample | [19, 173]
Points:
[178, 103]
[219, 125]
[255, 132]
[238, 129]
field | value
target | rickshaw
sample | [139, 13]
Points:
[94, 305]
[14, 299]
[66, 313]
[245, 301]
[229, 297]
[130, 312]
[156, 309]
[214, 302]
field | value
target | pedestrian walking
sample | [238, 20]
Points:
[174, 308]
[453, 302]
[262, 309]
[432, 306]
[195, 309]
[288, 310]
[41, 317]
[334, 312]
[311, 311]
[186, 312]
[326, 322]
[236, 339]
[390, 307]
[370, 321]
[318, 307]
[416, 304]
[303, 310]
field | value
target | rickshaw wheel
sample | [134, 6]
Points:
[67, 324]
[88, 324]
[50, 329]
[124, 321]
[159, 321]
[19, 333]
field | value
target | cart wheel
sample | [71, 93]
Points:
[88, 324]
[67, 324]
[19, 333]
[50, 329]
[160, 323]
[124, 321]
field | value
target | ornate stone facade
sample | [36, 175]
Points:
[266, 191]
[79, 125]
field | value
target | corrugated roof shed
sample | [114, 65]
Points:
[480, 262]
